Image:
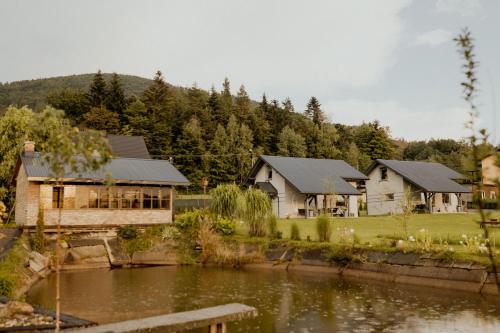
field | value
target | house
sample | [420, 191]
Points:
[491, 177]
[431, 187]
[141, 194]
[307, 186]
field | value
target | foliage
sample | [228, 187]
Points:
[127, 232]
[407, 206]
[12, 269]
[224, 226]
[291, 143]
[39, 238]
[256, 208]
[3, 213]
[226, 201]
[140, 243]
[294, 232]
[102, 119]
[324, 228]
[272, 225]
[189, 223]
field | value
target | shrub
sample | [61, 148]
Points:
[38, 242]
[127, 232]
[189, 223]
[224, 226]
[140, 243]
[272, 225]
[6, 287]
[294, 232]
[324, 228]
[256, 208]
[225, 200]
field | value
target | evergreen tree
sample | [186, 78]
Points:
[115, 101]
[242, 106]
[160, 105]
[136, 116]
[260, 126]
[314, 112]
[190, 153]
[97, 91]
[197, 105]
[352, 155]
[288, 106]
[74, 104]
[219, 161]
[373, 140]
[215, 108]
[322, 142]
[226, 100]
[244, 149]
[102, 119]
[291, 143]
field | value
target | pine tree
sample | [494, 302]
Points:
[215, 108]
[352, 155]
[190, 153]
[160, 105]
[115, 101]
[291, 143]
[260, 126]
[219, 161]
[314, 112]
[373, 140]
[197, 106]
[244, 148]
[136, 116]
[322, 142]
[242, 106]
[226, 100]
[102, 119]
[97, 91]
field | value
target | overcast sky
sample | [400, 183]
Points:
[391, 60]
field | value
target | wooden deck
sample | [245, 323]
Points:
[213, 318]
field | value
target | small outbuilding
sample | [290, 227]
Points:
[431, 187]
[307, 186]
[141, 194]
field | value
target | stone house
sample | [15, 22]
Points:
[141, 194]
[307, 186]
[430, 186]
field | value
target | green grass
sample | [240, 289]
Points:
[12, 270]
[382, 232]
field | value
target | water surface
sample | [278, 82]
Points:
[287, 302]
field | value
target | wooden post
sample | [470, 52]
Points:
[217, 328]
[306, 207]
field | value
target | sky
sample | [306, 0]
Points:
[390, 60]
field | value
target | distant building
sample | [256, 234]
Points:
[491, 177]
[431, 186]
[307, 186]
[141, 194]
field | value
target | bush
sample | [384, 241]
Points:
[38, 241]
[140, 243]
[189, 223]
[6, 287]
[127, 232]
[224, 226]
[324, 228]
[294, 232]
[272, 225]
[225, 200]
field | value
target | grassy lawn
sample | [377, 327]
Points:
[372, 228]
[443, 231]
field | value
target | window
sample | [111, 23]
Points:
[446, 198]
[493, 195]
[93, 198]
[57, 196]
[131, 198]
[146, 199]
[103, 198]
[269, 173]
[483, 195]
[389, 197]
[383, 173]
[155, 199]
[165, 199]
[114, 197]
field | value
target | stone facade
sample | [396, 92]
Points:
[31, 195]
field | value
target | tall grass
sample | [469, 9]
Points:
[294, 232]
[324, 228]
[226, 200]
[256, 209]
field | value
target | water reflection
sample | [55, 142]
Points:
[287, 302]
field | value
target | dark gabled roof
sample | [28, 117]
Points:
[430, 176]
[123, 170]
[267, 187]
[312, 176]
[128, 146]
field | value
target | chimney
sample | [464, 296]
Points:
[29, 147]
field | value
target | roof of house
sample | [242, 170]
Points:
[430, 176]
[128, 146]
[122, 170]
[267, 187]
[313, 176]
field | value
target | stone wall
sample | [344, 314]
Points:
[100, 217]
[27, 199]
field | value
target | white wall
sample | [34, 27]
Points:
[377, 190]
[440, 207]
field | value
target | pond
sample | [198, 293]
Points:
[287, 302]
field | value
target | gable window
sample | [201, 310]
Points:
[57, 196]
[383, 173]
[269, 173]
[389, 197]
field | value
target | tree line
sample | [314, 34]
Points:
[216, 134]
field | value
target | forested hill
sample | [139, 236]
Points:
[34, 92]
[215, 133]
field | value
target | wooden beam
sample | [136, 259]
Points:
[213, 318]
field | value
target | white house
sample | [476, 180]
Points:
[431, 187]
[307, 186]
